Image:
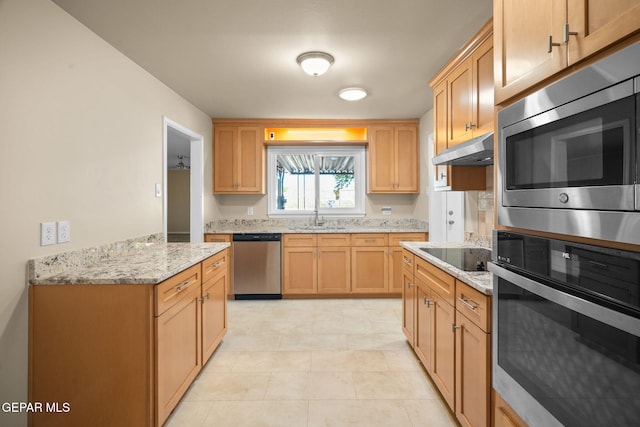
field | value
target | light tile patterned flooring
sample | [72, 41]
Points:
[340, 362]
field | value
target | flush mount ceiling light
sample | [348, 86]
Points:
[352, 93]
[315, 63]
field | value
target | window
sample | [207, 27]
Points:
[303, 179]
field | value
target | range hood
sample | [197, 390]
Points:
[475, 152]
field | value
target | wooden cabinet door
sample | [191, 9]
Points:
[460, 92]
[408, 305]
[473, 367]
[224, 158]
[250, 161]
[424, 326]
[334, 270]
[599, 24]
[238, 160]
[395, 269]
[214, 314]
[504, 415]
[482, 93]
[299, 275]
[440, 116]
[406, 159]
[178, 351]
[443, 345]
[381, 159]
[521, 37]
[369, 270]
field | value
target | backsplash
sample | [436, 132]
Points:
[284, 223]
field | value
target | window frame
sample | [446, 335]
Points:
[359, 158]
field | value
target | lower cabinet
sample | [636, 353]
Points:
[334, 264]
[178, 346]
[123, 354]
[341, 263]
[503, 415]
[451, 336]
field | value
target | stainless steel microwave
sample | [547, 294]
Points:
[569, 154]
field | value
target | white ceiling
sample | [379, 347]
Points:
[237, 58]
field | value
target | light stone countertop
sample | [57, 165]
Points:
[331, 225]
[140, 263]
[479, 280]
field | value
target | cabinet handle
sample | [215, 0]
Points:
[551, 44]
[443, 175]
[428, 302]
[207, 295]
[406, 260]
[566, 33]
[468, 304]
[454, 327]
[184, 285]
[410, 285]
[469, 126]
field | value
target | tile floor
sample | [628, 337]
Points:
[314, 363]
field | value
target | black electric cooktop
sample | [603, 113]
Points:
[466, 259]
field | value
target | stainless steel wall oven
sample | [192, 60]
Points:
[569, 154]
[566, 337]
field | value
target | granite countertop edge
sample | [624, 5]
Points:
[479, 280]
[147, 264]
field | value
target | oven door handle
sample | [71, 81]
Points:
[603, 314]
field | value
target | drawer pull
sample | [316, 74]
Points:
[406, 260]
[184, 285]
[428, 302]
[205, 296]
[468, 304]
[410, 285]
[370, 240]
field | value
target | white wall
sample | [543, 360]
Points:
[81, 140]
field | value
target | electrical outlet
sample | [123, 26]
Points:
[64, 231]
[386, 210]
[47, 233]
[250, 211]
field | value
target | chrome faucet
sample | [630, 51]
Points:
[317, 221]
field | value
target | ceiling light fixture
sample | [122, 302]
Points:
[315, 63]
[352, 93]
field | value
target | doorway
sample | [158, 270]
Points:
[183, 208]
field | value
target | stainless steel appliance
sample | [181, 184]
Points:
[256, 266]
[569, 156]
[566, 328]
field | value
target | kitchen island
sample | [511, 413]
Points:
[447, 321]
[118, 333]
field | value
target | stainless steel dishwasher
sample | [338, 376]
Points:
[256, 266]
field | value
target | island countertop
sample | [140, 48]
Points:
[479, 280]
[137, 263]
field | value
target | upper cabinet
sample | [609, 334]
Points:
[470, 96]
[463, 107]
[535, 40]
[238, 160]
[393, 159]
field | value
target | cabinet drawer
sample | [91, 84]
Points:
[208, 237]
[299, 240]
[396, 238]
[408, 262]
[215, 265]
[439, 281]
[173, 289]
[475, 305]
[369, 239]
[333, 240]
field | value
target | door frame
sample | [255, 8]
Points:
[196, 180]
